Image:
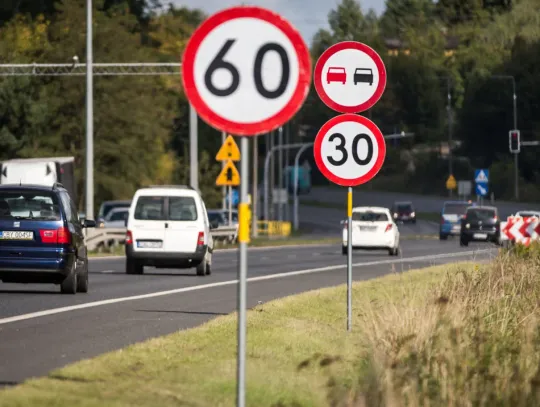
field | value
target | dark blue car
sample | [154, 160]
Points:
[41, 238]
[451, 215]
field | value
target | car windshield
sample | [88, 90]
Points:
[29, 205]
[404, 208]
[370, 216]
[455, 209]
[216, 217]
[107, 207]
[182, 208]
[337, 70]
[480, 214]
[117, 216]
[150, 208]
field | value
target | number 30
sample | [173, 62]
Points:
[219, 63]
[345, 155]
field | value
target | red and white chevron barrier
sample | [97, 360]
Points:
[520, 230]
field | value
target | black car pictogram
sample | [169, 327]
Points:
[364, 75]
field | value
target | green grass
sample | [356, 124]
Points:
[298, 354]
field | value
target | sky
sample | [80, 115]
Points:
[307, 15]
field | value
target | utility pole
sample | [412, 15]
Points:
[449, 112]
[89, 116]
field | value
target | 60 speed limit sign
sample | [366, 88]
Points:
[246, 70]
[349, 150]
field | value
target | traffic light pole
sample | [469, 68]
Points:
[516, 160]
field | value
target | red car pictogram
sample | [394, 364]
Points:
[336, 74]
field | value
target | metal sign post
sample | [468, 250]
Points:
[222, 42]
[349, 258]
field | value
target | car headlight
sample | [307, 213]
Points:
[395, 215]
[468, 225]
[413, 214]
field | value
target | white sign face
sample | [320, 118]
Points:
[246, 72]
[350, 77]
[349, 150]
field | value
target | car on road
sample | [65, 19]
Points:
[107, 206]
[363, 75]
[404, 212]
[480, 223]
[116, 218]
[372, 229]
[451, 214]
[336, 74]
[41, 237]
[168, 227]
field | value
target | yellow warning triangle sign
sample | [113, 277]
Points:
[229, 150]
[451, 182]
[229, 176]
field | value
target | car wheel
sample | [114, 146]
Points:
[69, 285]
[344, 250]
[202, 268]
[463, 242]
[134, 267]
[82, 279]
[442, 237]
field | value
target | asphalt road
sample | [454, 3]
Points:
[41, 330]
[325, 222]
[362, 196]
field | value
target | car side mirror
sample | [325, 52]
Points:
[87, 223]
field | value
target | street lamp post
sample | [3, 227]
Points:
[514, 102]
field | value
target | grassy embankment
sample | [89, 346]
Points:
[461, 334]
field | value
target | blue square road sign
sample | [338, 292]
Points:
[481, 176]
[481, 189]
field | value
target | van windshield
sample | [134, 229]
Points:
[29, 205]
[150, 208]
[182, 208]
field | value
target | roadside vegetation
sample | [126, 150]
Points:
[458, 334]
[141, 123]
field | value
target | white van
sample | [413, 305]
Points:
[168, 227]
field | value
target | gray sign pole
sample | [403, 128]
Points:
[349, 259]
[193, 149]
[243, 239]
[89, 116]
[223, 189]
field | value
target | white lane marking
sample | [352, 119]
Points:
[106, 271]
[231, 282]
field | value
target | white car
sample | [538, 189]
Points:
[168, 227]
[372, 228]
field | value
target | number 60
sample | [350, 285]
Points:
[219, 63]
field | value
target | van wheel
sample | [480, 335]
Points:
[82, 279]
[202, 268]
[344, 250]
[133, 267]
[69, 285]
[442, 237]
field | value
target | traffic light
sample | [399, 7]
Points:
[514, 141]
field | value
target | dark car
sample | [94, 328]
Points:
[364, 75]
[481, 223]
[41, 238]
[108, 206]
[404, 212]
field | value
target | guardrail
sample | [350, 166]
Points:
[104, 238]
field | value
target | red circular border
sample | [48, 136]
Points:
[288, 111]
[318, 76]
[381, 144]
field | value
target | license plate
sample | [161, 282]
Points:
[150, 245]
[8, 235]
[480, 236]
[367, 228]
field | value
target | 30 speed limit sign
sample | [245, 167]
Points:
[349, 150]
[246, 70]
